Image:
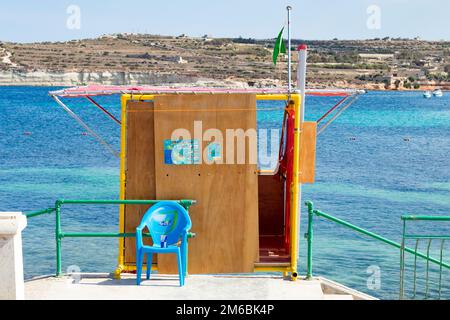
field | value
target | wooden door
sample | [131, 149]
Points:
[140, 168]
[225, 217]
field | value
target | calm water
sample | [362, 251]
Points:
[366, 173]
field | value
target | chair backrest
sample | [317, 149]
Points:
[166, 221]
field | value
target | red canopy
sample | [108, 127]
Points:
[97, 90]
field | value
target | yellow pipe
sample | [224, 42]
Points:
[122, 181]
[272, 97]
[132, 267]
[118, 272]
[139, 97]
[295, 187]
[123, 133]
[272, 269]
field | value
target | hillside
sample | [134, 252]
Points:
[148, 59]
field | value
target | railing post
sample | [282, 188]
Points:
[58, 237]
[309, 237]
[402, 262]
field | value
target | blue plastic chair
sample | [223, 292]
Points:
[168, 223]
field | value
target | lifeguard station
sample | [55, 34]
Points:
[245, 219]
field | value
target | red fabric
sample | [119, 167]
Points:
[97, 90]
[286, 169]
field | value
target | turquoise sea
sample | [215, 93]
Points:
[387, 155]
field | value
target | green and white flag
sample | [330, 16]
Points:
[279, 47]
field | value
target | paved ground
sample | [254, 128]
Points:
[221, 287]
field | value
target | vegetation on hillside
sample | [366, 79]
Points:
[390, 63]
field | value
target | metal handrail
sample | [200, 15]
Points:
[426, 218]
[429, 239]
[32, 214]
[309, 235]
[59, 235]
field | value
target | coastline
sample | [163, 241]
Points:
[132, 59]
[71, 79]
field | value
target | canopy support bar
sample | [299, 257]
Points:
[103, 109]
[85, 126]
[332, 109]
[349, 103]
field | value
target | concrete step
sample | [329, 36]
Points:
[166, 287]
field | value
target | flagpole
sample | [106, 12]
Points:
[289, 8]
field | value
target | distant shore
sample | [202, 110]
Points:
[131, 59]
[71, 79]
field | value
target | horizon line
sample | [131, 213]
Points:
[385, 38]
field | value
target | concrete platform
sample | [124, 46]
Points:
[201, 287]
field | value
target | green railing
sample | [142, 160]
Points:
[59, 234]
[429, 239]
[309, 236]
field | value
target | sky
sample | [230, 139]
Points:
[60, 20]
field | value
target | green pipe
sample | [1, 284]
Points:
[428, 269]
[187, 203]
[309, 237]
[356, 228]
[38, 213]
[427, 218]
[58, 238]
[107, 235]
[415, 269]
[59, 234]
[402, 262]
[376, 236]
[414, 236]
[440, 269]
[99, 235]
[183, 202]
[401, 246]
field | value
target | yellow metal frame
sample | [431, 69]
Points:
[294, 188]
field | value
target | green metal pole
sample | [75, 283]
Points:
[402, 262]
[426, 218]
[38, 213]
[100, 235]
[187, 203]
[59, 235]
[58, 238]
[309, 237]
[70, 201]
[108, 235]
[378, 237]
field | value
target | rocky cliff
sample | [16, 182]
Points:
[46, 78]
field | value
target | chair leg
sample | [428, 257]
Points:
[180, 268]
[139, 258]
[184, 256]
[149, 264]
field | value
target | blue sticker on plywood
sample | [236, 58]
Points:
[181, 152]
[214, 152]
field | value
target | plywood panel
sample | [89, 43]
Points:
[140, 168]
[308, 152]
[225, 217]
